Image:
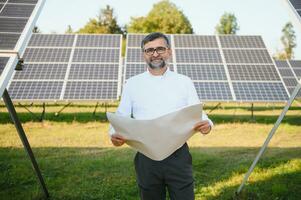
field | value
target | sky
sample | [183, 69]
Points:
[255, 17]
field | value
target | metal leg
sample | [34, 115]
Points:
[57, 113]
[25, 107]
[41, 118]
[43, 113]
[215, 107]
[94, 112]
[272, 132]
[252, 113]
[15, 119]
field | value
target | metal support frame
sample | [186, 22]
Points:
[268, 139]
[65, 106]
[10, 107]
[252, 112]
[41, 118]
[94, 112]
[106, 107]
[215, 107]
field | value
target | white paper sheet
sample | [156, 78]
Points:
[158, 138]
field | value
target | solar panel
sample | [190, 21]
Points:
[42, 72]
[296, 65]
[8, 41]
[246, 91]
[47, 55]
[87, 67]
[198, 56]
[234, 41]
[213, 91]
[96, 55]
[288, 73]
[3, 62]
[217, 63]
[94, 72]
[42, 90]
[102, 41]
[203, 71]
[296, 4]
[253, 72]
[88, 90]
[17, 10]
[49, 40]
[247, 56]
[198, 41]
[17, 18]
[295, 8]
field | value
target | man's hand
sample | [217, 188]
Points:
[117, 140]
[203, 127]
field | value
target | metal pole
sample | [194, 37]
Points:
[43, 112]
[94, 112]
[252, 111]
[215, 107]
[57, 113]
[15, 119]
[264, 146]
[23, 106]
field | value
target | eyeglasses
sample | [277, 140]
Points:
[151, 51]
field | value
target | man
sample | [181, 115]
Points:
[152, 94]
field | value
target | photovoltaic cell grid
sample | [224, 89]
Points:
[69, 67]
[13, 17]
[287, 71]
[16, 19]
[232, 67]
[297, 6]
[3, 62]
[134, 62]
[296, 65]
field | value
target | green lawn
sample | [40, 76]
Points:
[78, 161]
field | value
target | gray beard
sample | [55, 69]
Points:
[157, 65]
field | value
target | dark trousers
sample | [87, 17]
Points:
[173, 173]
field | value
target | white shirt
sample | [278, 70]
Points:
[146, 96]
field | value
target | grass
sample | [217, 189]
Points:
[78, 161]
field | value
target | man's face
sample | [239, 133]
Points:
[156, 53]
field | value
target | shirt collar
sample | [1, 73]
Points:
[159, 76]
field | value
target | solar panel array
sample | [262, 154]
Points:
[290, 71]
[223, 68]
[16, 21]
[69, 67]
[296, 4]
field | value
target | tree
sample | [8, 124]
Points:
[69, 29]
[164, 17]
[104, 23]
[227, 24]
[288, 40]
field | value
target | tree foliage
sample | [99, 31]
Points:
[164, 17]
[288, 40]
[106, 22]
[69, 29]
[227, 24]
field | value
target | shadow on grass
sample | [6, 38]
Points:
[108, 173]
[84, 117]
